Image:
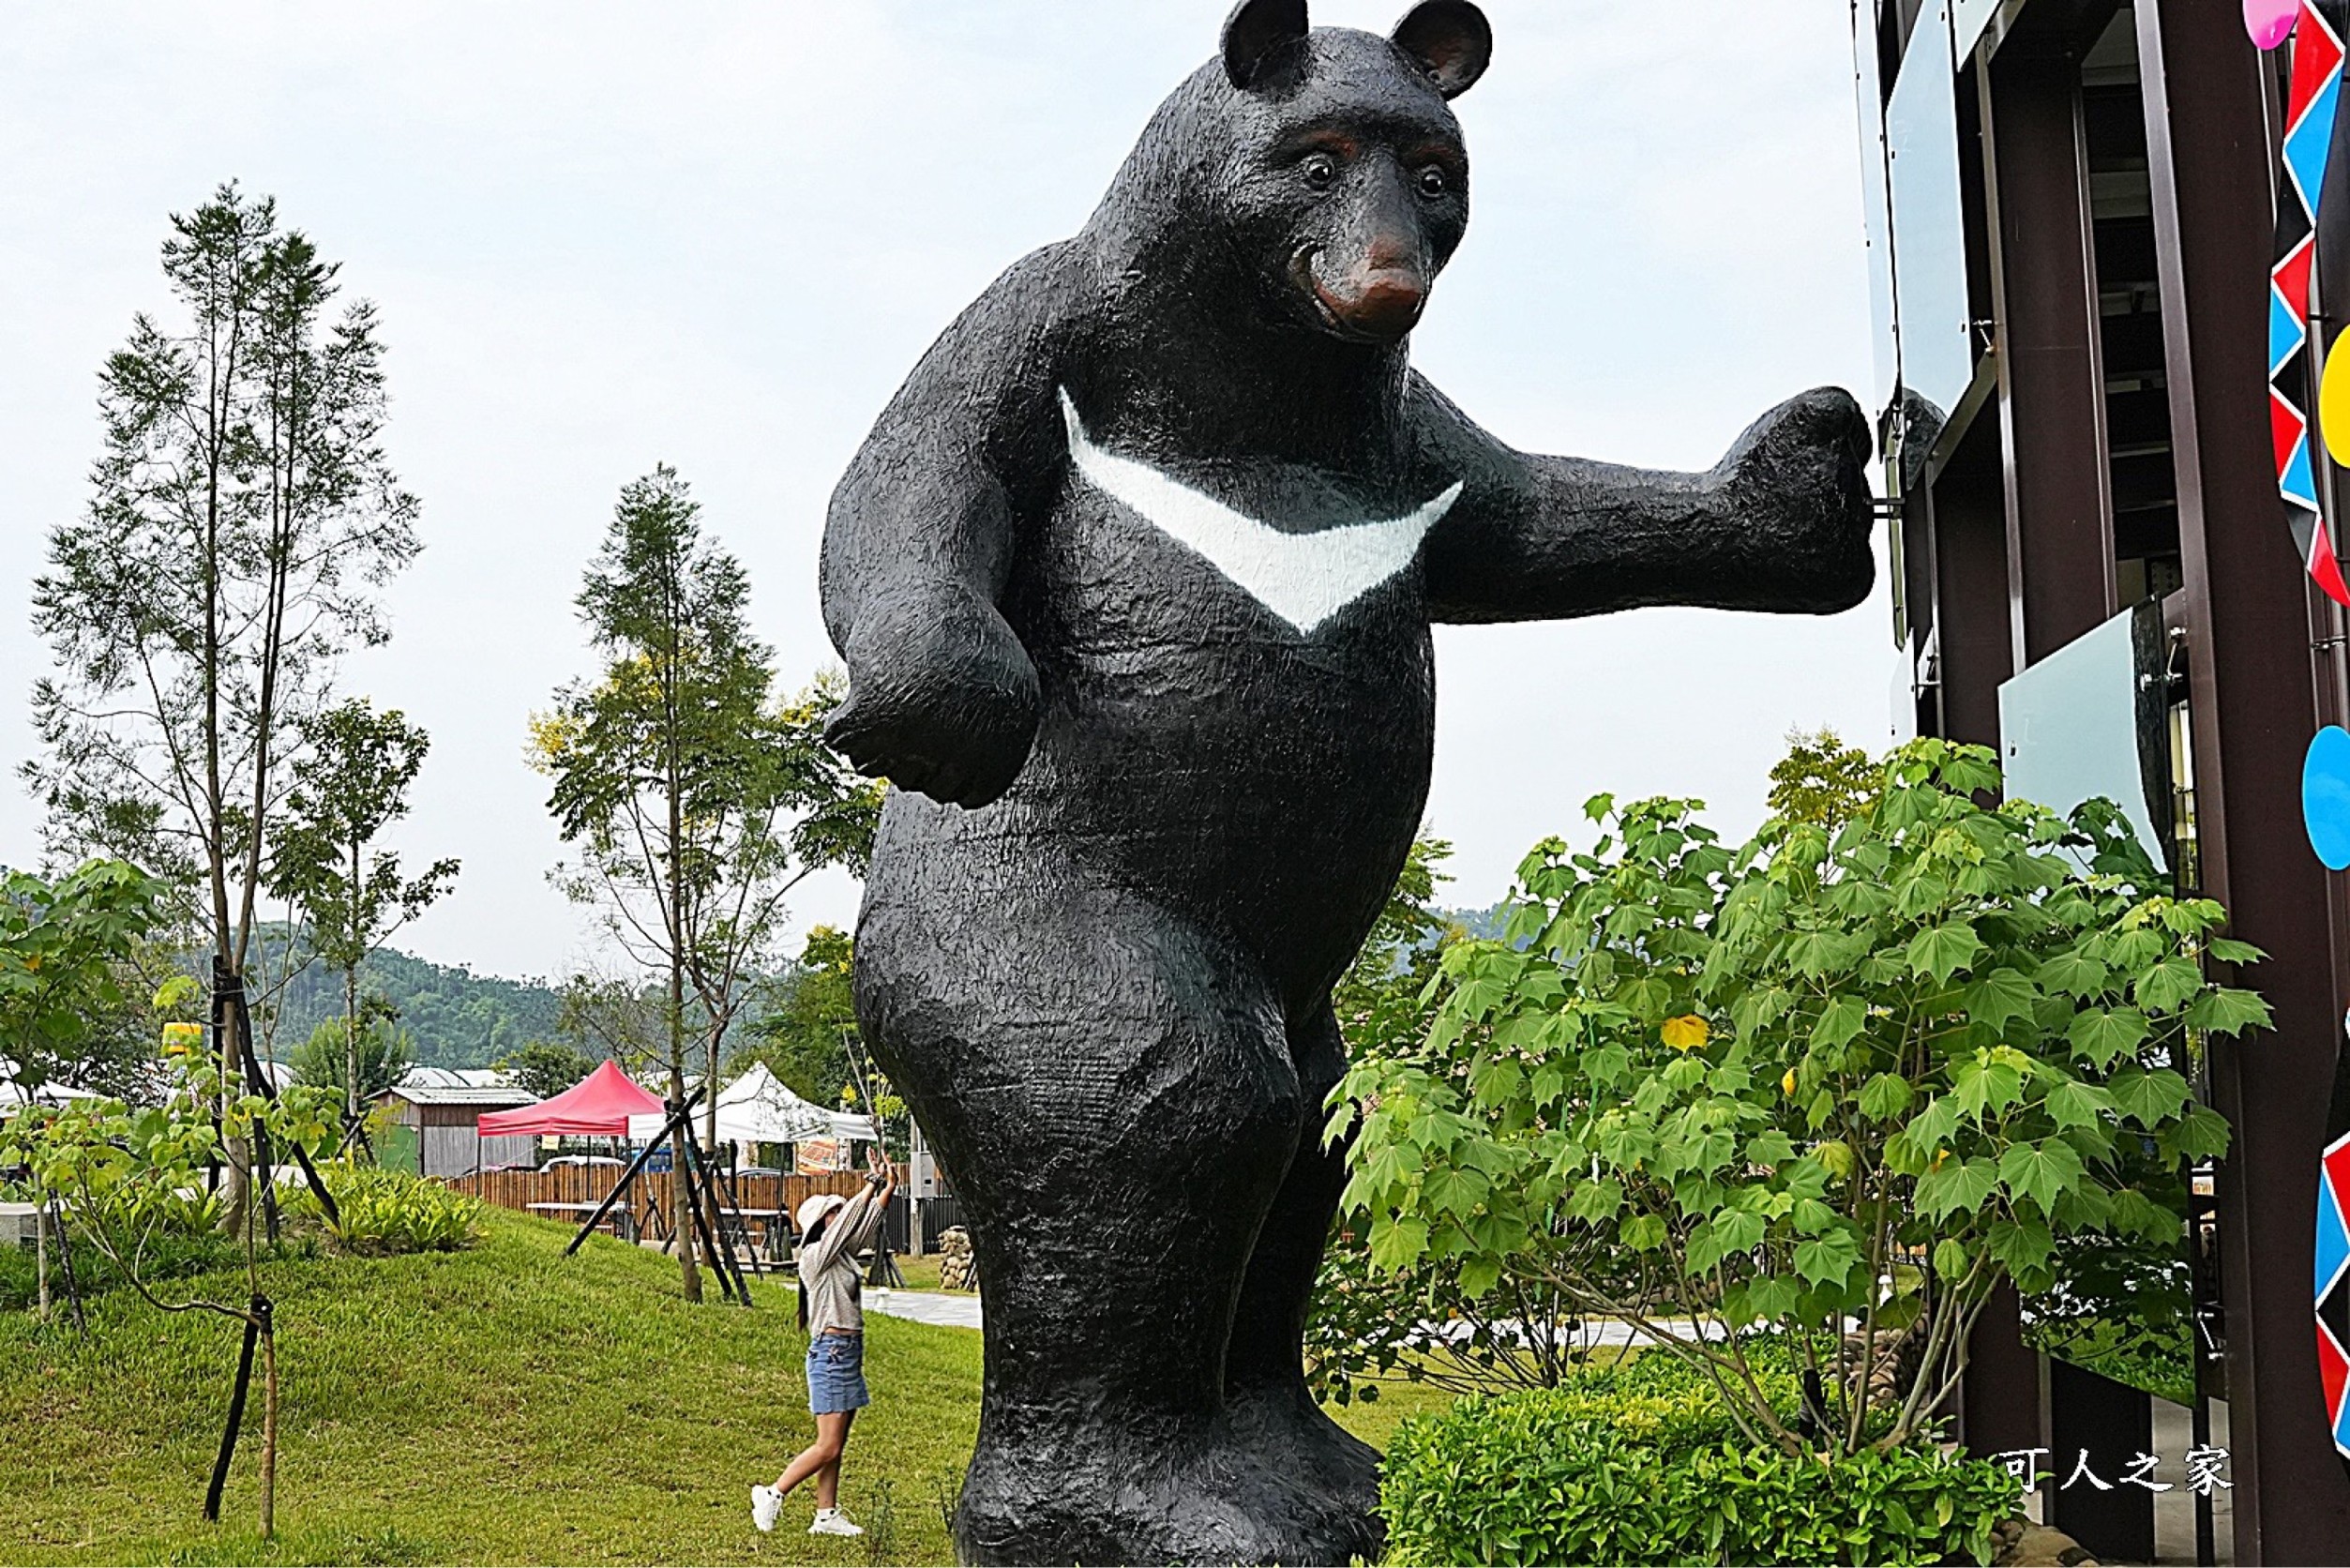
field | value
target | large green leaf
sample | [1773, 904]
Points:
[1999, 996]
[1819, 954]
[1956, 1186]
[2104, 1035]
[1397, 1243]
[1642, 1233]
[2167, 985]
[1456, 1191]
[1941, 951]
[2201, 1134]
[2041, 1172]
[2075, 973]
[1918, 894]
[1739, 1231]
[2024, 1245]
[2149, 1098]
[1772, 1297]
[1987, 1086]
[2224, 1010]
[1885, 1096]
[1839, 1021]
[1827, 1259]
[2075, 1104]
[1597, 1201]
[1810, 1216]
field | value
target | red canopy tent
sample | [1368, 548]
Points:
[598, 1105]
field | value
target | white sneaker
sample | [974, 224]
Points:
[766, 1503]
[832, 1521]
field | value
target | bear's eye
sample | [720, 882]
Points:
[1322, 171]
[1432, 181]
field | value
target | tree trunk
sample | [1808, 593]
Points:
[350, 1045]
[680, 1205]
[236, 1175]
[41, 1257]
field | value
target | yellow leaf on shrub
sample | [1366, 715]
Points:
[1686, 1033]
[1787, 1084]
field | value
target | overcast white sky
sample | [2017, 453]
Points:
[604, 235]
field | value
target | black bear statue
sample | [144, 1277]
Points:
[1133, 578]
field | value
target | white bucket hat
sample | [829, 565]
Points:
[815, 1208]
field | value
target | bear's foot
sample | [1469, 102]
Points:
[1286, 1431]
[1114, 1490]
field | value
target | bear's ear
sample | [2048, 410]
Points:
[1256, 31]
[1452, 41]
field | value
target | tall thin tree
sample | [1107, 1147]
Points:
[695, 800]
[349, 786]
[242, 515]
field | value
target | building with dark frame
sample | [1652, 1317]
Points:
[2072, 218]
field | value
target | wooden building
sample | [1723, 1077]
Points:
[432, 1131]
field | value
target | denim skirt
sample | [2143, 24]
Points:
[836, 1374]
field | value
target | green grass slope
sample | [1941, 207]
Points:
[503, 1405]
[500, 1405]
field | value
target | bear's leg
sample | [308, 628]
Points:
[1264, 1376]
[1111, 1092]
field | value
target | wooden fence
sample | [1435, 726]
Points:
[648, 1199]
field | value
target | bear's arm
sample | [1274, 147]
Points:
[918, 546]
[1782, 523]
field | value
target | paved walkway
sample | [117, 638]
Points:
[947, 1308]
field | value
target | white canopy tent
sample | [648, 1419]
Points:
[13, 1096]
[756, 1108]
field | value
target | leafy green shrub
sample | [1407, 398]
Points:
[1854, 1073]
[391, 1210]
[1589, 1473]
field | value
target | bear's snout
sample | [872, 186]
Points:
[1381, 297]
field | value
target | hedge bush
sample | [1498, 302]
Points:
[391, 1210]
[1601, 1473]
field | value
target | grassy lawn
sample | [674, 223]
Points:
[501, 1405]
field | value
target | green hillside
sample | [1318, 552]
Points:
[458, 1018]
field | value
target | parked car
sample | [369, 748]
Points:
[582, 1159]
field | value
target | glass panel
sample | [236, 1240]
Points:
[1876, 213]
[2075, 726]
[1972, 17]
[1937, 352]
[2094, 719]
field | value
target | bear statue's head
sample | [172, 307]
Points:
[1320, 169]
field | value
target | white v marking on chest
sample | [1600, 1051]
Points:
[1305, 579]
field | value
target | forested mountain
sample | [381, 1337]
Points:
[456, 1017]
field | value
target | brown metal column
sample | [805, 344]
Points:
[1971, 577]
[2253, 709]
[2051, 382]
